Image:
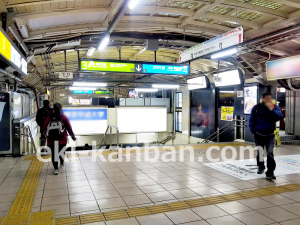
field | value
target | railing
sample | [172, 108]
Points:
[26, 139]
[109, 127]
[233, 124]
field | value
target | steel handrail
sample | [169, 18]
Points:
[221, 130]
[110, 135]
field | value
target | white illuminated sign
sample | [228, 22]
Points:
[197, 83]
[227, 78]
[24, 66]
[15, 57]
[142, 119]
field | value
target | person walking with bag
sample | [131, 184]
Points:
[56, 128]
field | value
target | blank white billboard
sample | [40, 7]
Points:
[142, 119]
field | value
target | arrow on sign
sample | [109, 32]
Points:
[139, 68]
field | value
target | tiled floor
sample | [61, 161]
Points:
[12, 172]
[85, 187]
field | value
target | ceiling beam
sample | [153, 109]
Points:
[158, 9]
[2, 7]
[163, 2]
[34, 3]
[242, 22]
[293, 3]
[115, 5]
[256, 8]
[201, 11]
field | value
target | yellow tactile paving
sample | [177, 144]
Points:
[24, 198]
[92, 218]
[73, 220]
[179, 205]
[116, 215]
[137, 212]
[19, 212]
[159, 209]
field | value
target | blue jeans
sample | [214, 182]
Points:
[268, 142]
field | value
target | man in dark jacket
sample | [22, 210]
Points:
[41, 117]
[262, 124]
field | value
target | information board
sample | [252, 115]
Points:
[101, 92]
[5, 120]
[96, 65]
[11, 53]
[86, 121]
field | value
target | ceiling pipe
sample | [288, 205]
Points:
[273, 35]
[115, 21]
[14, 31]
[4, 72]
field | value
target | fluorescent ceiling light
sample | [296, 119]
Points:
[91, 51]
[229, 92]
[104, 42]
[146, 90]
[83, 88]
[197, 83]
[133, 3]
[89, 84]
[224, 53]
[165, 86]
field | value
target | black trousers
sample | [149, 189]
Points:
[268, 142]
[54, 154]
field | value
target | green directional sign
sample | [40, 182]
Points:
[99, 65]
[104, 92]
[88, 65]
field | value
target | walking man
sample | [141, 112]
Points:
[262, 124]
[41, 117]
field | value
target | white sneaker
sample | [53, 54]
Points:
[55, 172]
[61, 166]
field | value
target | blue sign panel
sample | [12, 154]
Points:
[82, 92]
[166, 69]
[86, 114]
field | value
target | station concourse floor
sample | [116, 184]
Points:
[145, 193]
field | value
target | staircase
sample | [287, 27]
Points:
[287, 139]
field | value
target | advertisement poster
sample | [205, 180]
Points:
[250, 98]
[227, 113]
[87, 120]
[247, 169]
[4, 122]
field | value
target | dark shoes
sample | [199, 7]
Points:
[260, 171]
[270, 176]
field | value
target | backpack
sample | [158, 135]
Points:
[55, 129]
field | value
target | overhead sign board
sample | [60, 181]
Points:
[65, 75]
[100, 92]
[11, 54]
[96, 65]
[284, 68]
[231, 38]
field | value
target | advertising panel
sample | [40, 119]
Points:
[87, 120]
[100, 92]
[81, 102]
[231, 38]
[250, 98]
[283, 68]
[96, 65]
[142, 119]
[5, 120]
[11, 54]
[227, 113]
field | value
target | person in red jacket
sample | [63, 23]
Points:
[56, 148]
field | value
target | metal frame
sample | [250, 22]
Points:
[232, 124]
[110, 135]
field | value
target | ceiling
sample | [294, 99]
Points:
[58, 32]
